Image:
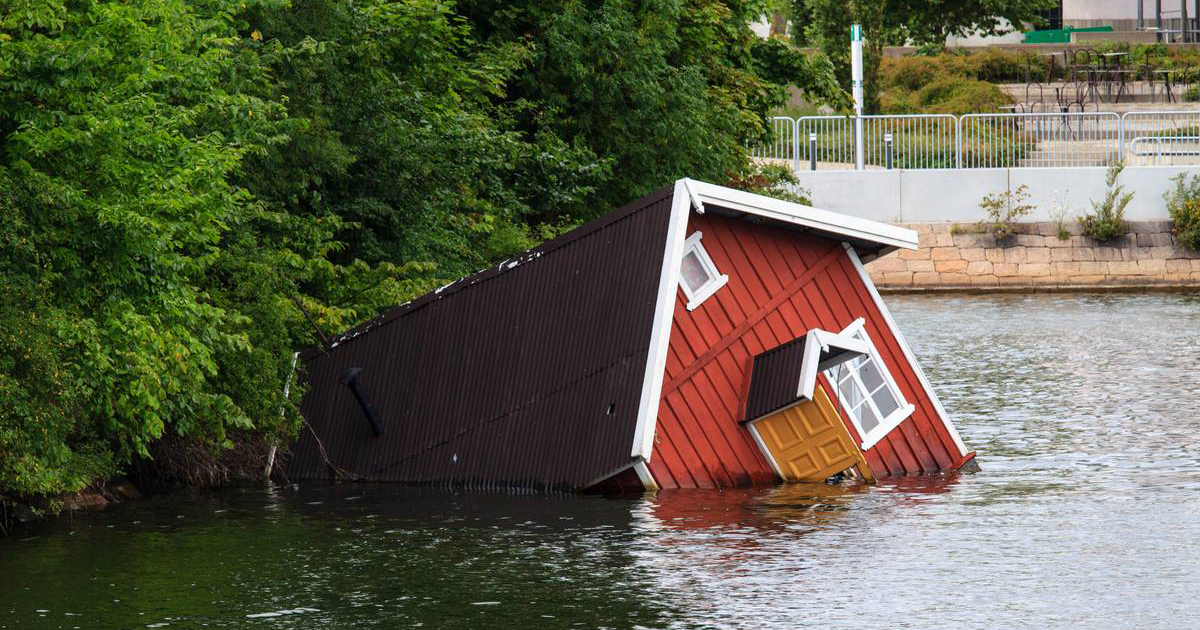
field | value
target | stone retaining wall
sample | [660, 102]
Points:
[1037, 258]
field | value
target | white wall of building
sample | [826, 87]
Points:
[1115, 9]
[916, 196]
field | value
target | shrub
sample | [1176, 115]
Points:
[955, 95]
[1107, 219]
[1183, 203]
[772, 180]
[910, 73]
[1003, 210]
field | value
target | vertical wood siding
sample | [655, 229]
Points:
[781, 284]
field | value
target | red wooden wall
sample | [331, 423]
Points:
[781, 284]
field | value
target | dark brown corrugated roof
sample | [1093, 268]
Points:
[526, 374]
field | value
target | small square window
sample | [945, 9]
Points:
[698, 276]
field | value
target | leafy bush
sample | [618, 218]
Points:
[1183, 203]
[772, 180]
[1107, 219]
[954, 95]
[1003, 210]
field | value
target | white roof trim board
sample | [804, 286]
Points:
[690, 194]
[834, 224]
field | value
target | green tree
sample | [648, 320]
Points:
[121, 127]
[825, 24]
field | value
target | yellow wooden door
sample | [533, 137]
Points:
[809, 441]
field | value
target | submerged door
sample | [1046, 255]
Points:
[809, 442]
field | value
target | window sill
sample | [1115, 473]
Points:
[889, 423]
[706, 291]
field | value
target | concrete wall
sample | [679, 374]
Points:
[914, 196]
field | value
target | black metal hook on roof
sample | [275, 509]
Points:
[349, 378]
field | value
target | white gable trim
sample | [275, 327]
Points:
[660, 334]
[908, 354]
[690, 194]
[832, 223]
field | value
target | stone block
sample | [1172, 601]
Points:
[1107, 253]
[1092, 268]
[1152, 267]
[897, 278]
[1195, 265]
[1137, 253]
[919, 265]
[950, 266]
[972, 240]
[1033, 269]
[1037, 254]
[1031, 240]
[926, 278]
[1064, 268]
[1060, 254]
[1155, 239]
[1014, 254]
[1090, 279]
[994, 254]
[956, 279]
[1083, 253]
[914, 254]
[1162, 252]
[920, 228]
[984, 281]
[1045, 228]
[1179, 265]
[984, 268]
[1149, 227]
[944, 253]
[944, 239]
[972, 253]
[1013, 280]
[1054, 241]
[928, 239]
[1124, 268]
[1005, 269]
[884, 265]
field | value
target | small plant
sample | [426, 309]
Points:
[1183, 203]
[1107, 219]
[1058, 213]
[1003, 210]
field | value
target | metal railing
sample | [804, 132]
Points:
[1039, 140]
[781, 145]
[1162, 138]
[1009, 140]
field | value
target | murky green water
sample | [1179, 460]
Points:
[1084, 409]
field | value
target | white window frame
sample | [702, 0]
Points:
[904, 409]
[716, 278]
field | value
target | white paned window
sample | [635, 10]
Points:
[698, 276]
[867, 391]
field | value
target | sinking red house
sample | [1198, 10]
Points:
[699, 337]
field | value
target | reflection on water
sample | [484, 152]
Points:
[1083, 409]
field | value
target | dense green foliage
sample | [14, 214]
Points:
[1183, 203]
[825, 24]
[184, 182]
